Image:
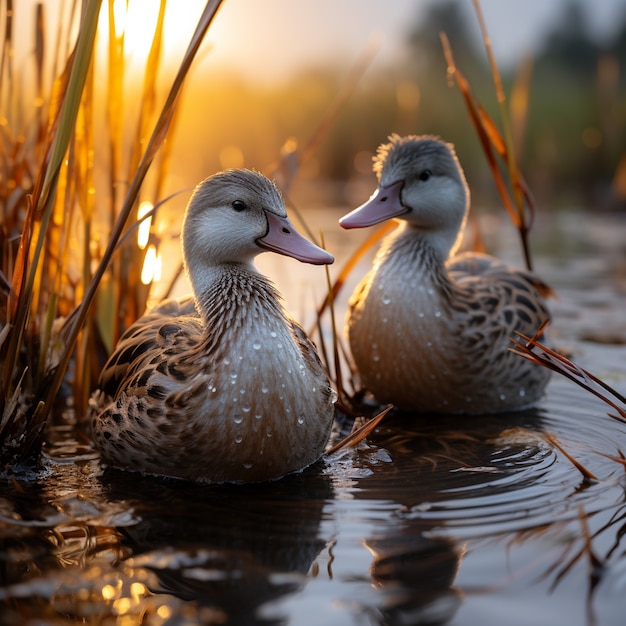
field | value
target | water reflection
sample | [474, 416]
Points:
[393, 532]
[425, 461]
[414, 577]
[172, 549]
[453, 482]
[226, 549]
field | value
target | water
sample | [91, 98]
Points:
[459, 521]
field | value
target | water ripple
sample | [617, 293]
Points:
[471, 477]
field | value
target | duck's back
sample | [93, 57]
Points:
[493, 303]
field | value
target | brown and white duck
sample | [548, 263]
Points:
[223, 386]
[430, 329]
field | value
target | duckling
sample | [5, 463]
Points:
[430, 329]
[222, 386]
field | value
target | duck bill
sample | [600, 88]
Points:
[282, 237]
[384, 204]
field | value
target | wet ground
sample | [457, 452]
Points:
[454, 521]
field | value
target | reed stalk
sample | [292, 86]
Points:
[48, 327]
[497, 145]
[532, 349]
[28, 268]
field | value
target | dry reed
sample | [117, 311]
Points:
[513, 190]
[533, 350]
[51, 262]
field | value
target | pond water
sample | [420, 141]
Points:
[456, 521]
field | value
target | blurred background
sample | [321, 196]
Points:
[273, 71]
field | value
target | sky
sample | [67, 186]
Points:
[272, 38]
[268, 40]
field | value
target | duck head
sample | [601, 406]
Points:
[420, 182]
[235, 215]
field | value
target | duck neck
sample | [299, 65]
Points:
[428, 247]
[414, 254]
[225, 294]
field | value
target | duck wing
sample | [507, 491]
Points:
[307, 348]
[148, 337]
[494, 301]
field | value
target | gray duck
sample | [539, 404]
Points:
[222, 386]
[430, 329]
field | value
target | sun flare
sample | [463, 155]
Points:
[143, 230]
[136, 23]
[151, 271]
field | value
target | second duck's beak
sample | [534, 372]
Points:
[384, 204]
[282, 237]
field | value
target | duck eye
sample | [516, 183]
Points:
[239, 205]
[425, 175]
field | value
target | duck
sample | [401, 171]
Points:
[429, 328]
[223, 385]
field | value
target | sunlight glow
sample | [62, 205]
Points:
[108, 592]
[122, 605]
[141, 20]
[137, 591]
[119, 17]
[135, 22]
[151, 271]
[231, 157]
[143, 231]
